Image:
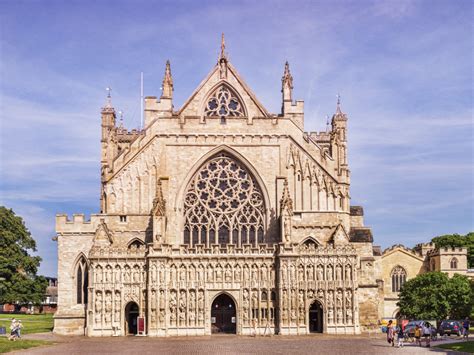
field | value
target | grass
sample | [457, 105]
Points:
[465, 346]
[8, 345]
[32, 323]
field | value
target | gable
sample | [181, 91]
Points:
[196, 104]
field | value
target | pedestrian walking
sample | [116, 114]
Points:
[13, 330]
[465, 328]
[400, 337]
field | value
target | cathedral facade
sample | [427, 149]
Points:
[219, 217]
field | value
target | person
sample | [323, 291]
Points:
[390, 333]
[19, 328]
[13, 330]
[400, 337]
[427, 334]
[418, 334]
[465, 328]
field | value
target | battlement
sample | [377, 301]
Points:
[320, 136]
[448, 251]
[79, 223]
[400, 246]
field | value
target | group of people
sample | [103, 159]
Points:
[15, 329]
[422, 331]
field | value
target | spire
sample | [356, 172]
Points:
[287, 84]
[338, 106]
[108, 100]
[222, 62]
[159, 203]
[167, 86]
[121, 119]
[223, 54]
[286, 203]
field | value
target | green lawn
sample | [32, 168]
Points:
[8, 345]
[465, 346]
[32, 323]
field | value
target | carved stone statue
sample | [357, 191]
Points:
[339, 315]
[319, 272]
[348, 299]
[162, 299]
[348, 272]
[338, 272]
[330, 316]
[349, 316]
[339, 298]
[329, 273]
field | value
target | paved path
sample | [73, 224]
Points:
[226, 344]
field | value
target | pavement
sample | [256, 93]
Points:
[228, 344]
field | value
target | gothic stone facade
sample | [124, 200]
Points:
[217, 198]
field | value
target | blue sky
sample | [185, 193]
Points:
[403, 69]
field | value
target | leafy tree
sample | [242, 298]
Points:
[457, 240]
[434, 295]
[18, 279]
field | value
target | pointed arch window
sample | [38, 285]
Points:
[454, 263]
[223, 102]
[399, 277]
[82, 281]
[223, 205]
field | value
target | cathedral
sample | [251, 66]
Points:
[219, 217]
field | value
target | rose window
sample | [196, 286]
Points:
[223, 204]
[223, 103]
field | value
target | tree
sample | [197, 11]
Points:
[18, 280]
[434, 295]
[457, 240]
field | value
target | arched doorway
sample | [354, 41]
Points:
[316, 317]
[223, 315]
[131, 315]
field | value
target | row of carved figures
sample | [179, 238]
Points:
[320, 273]
[220, 273]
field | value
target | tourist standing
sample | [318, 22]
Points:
[390, 333]
[418, 334]
[427, 334]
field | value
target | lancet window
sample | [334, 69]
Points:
[399, 276]
[82, 281]
[223, 103]
[454, 263]
[224, 205]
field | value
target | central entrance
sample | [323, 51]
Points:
[131, 315]
[316, 317]
[223, 315]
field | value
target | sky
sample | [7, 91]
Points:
[404, 70]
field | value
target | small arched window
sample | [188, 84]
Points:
[136, 244]
[399, 277]
[82, 281]
[454, 263]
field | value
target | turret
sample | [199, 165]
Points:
[164, 106]
[107, 142]
[339, 139]
[294, 111]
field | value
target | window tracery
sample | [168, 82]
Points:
[454, 263]
[223, 205]
[399, 276]
[224, 103]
